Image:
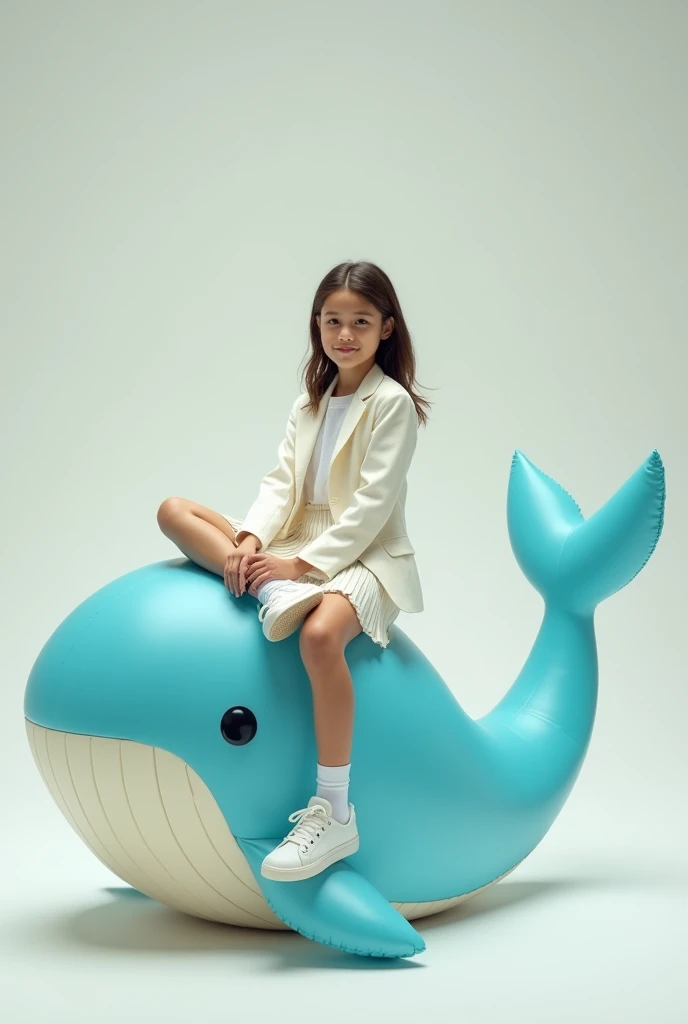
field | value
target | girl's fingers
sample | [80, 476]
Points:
[250, 573]
[238, 583]
[233, 583]
[244, 570]
[233, 580]
[263, 578]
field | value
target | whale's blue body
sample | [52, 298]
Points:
[445, 804]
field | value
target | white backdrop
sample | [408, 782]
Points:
[177, 179]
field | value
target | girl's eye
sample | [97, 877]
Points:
[360, 320]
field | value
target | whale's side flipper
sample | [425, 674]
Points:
[576, 562]
[337, 908]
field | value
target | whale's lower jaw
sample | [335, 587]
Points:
[152, 821]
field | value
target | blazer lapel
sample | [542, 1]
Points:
[357, 407]
[308, 426]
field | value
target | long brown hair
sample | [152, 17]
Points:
[394, 354]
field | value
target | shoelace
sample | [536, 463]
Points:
[311, 821]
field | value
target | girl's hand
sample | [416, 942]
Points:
[236, 565]
[262, 566]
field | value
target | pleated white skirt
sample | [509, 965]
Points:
[374, 607]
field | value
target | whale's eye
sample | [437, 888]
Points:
[238, 726]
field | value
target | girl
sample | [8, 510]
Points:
[349, 443]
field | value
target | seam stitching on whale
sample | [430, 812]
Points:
[550, 721]
[660, 519]
[337, 945]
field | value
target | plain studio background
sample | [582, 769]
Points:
[176, 179]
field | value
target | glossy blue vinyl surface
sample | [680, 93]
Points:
[445, 804]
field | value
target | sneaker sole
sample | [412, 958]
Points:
[292, 617]
[297, 874]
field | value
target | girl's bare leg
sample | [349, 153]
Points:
[324, 634]
[201, 534]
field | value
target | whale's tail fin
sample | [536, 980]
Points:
[574, 562]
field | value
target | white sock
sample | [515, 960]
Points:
[333, 784]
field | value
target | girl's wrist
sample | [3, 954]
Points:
[301, 565]
[249, 544]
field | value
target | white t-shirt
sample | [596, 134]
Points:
[315, 483]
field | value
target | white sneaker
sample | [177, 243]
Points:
[286, 608]
[317, 841]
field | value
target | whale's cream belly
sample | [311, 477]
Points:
[152, 820]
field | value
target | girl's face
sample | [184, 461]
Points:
[351, 329]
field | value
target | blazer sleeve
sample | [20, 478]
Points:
[383, 471]
[276, 495]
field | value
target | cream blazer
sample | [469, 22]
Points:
[366, 487]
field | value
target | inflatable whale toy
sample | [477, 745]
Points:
[176, 739]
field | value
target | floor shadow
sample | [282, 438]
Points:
[130, 921]
[505, 894]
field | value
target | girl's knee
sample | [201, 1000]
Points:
[317, 636]
[170, 510]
